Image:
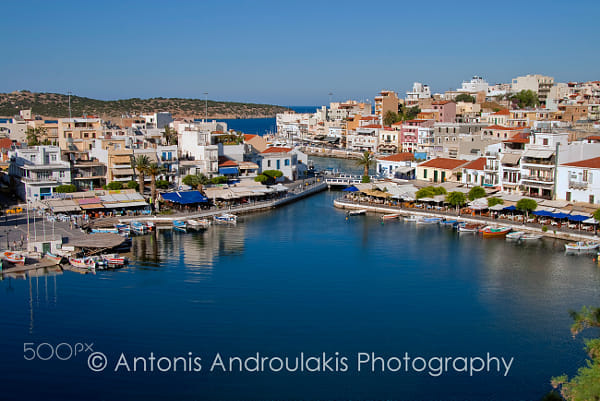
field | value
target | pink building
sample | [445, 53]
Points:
[445, 111]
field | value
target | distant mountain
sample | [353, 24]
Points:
[57, 105]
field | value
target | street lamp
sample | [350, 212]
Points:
[205, 106]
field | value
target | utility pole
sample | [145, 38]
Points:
[555, 171]
[69, 93]
[205, 106]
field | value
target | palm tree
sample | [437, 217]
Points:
[366, 161]
[153, 169]
[141, 163]
[170, 136]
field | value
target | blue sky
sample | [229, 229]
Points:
[289, 53]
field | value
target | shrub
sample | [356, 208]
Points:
[114, 185]
[63, 189]
[133, 184]
[544, 228]
[162, 184]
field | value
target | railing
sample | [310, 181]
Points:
[536, 178]
[578, 184]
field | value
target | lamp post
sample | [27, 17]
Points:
[205, 106]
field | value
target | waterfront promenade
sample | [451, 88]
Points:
[553, 232]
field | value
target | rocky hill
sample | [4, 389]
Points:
[57, 105]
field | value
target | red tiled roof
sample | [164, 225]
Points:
[503, 112]
[277, 149]
[370, 126]
[593, 138]
[477, 164]
[5, 143]
[247, 137]
[500, 127]
[588, 163]
[399, 157]
[444, 163]
[370, 118]
[228, 163]
[441, 102]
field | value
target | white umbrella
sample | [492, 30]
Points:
[591, 220]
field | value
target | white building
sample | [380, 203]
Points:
[579, 181]
[476, 84]
[291, 162]
[419, 91]
[38, 170]
[399, 165]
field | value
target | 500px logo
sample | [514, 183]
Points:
[62, 351]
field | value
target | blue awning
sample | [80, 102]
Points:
[577, 217]
[510, 208]
[542, 213]
[560, 215]
[228, 170]
[351, 188]
[185, 198]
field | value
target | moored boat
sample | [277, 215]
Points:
[411, 218]
[515, 235]
[357, 212]
[429, 220]
[14, 257]
[195, 225]
[150, 226]
[138, 228]
[82, 263]
[225, 218]
[531, 236]
[390, 216]
[104, 230]
[54, 258]
[468, 228]
[179, 225]
[581, 246]
[114, 260]
[499, 232]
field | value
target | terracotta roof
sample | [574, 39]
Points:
[228, 163]
[441, 102]
[522, 137]
[477, 164]
[593, 138]
[371, 126]
[5, 143]
[500, 127]
[370, 118]
[504, 112]
[588, 163]
[247, 137]
[277, 149]
[444, 163]
[399, 157]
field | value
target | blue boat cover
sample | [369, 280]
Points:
[185, 197]
[351, 188]
[228, 170]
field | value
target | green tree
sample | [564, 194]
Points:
[465, 97]
[476, 193]
[34, 136]
[390, 118]
[65, 188]
[141, 163]
[585, 385]
[162, 184]
[221, 179]
[268, 177]
[430, 192]
[154, 170]
[526, 98]
[526, 205]
[132, 184]
[366, 161]
[115, 185]
[170, 136]
[408, 113]
[493, 201]
[456, 199]
[596, 215]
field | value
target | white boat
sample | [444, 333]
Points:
[114, 260]
[226, 218]
[83, 263]
[138, 228]
[581, 246]
[411, 218]
[390, 216]
[196, 225]
[105, 230]
[54, 258]
[356, 212]
[531, 236]
[516, 235]
[179, 225]
[468, 228]
[14, 257]
[429, 220]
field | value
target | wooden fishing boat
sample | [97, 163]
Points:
[429, 220]
[195, 225]
[138, 228]
[225, 218]
[54, 258]
[531, 236]
[391, 216]
[499, 232]
[150, 226]
[411, 218]
[515, 235]
[180, 225]
[581, 246]
[360, 212]
[114, 260]
[82, 263]
[14, 257]
[104, 230]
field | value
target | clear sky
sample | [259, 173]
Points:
[287, 52]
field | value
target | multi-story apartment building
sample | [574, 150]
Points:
[37, 171]
[579, 181]
[419, 91]
[535, 82]
[79, 133]
[386, 101]
[364, 138]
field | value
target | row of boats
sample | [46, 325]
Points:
[105, 261]
[144, 227]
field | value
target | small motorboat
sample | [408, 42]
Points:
[392, 216]
[360, 212]
[138, 228]
[411, 218]
[150, 226]
[114, 260]
[83, 263]
[581, 246]
[449, 222]
[531, 236]
[14, 257]
[123, 229]
[468, 228]
[225, 218]
[499, 232]
[429, 220]
[54, 258]
[515, 235]
[195, 225]
[104, 230]
[180, 225]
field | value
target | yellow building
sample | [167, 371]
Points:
[78, 133]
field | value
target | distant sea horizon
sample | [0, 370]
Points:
[262, 126]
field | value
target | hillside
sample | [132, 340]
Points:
[57, 105]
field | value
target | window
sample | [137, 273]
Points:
[268, 163]
[545, 141]
[53, 158]
[424, 173]
[286, 162]
[278, 164]
[568, 197]
[62, 174]
[591, 198]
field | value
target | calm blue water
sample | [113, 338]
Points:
[261, 126]
[297, 279]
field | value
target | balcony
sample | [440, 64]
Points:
[536, 178]
[578, 184]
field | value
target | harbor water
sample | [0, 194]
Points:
[297, 282]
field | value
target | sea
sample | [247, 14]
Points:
[302, 302]
[262, 126]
